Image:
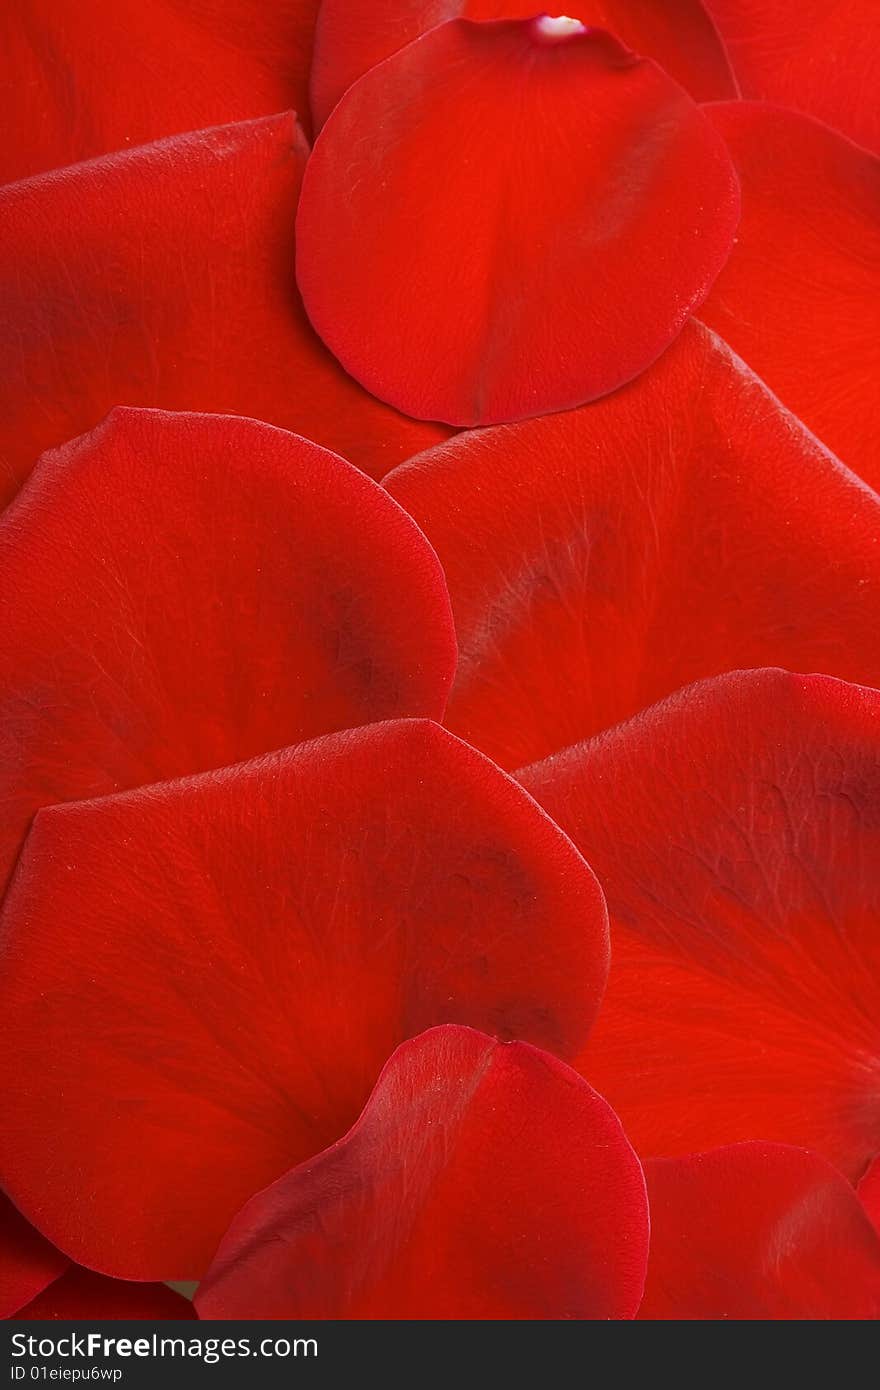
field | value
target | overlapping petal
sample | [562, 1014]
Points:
[602, 558]
[559, 208]
[735, 829]
[241, 865]
[203, 979]
[799, 297]
[74, 72]
[80, 1296]
[37, 1283]
[186, 591]
[410, 1215]
[758, 1232]
[163, 276]
[353, 35]
[28, 1263]
[820, 56]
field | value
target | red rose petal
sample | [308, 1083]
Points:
[27, 1262]
[482, 1181]
[800, 296]
[185, 591]
[735, 830]
[820, 56]
[80, 1296]
[172, 286]
[560, 207]
[600, 559]
[203, 979]
[758, 1232]
[353, 35]
[83, 77]
[869, 1192]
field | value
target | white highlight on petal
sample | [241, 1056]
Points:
[553, 28]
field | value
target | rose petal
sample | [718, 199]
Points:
[735, 829]
[869, 1192]
[800, 296]
[171, 285]
[80, 1296]
[559, 208]
[821, 56]
[202, 979]
[482, 1181]
[600, 559]
[353, 35]
[27, 1262]
[758, 1232]
[82, 77]
[185, 591]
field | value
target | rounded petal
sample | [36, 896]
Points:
[735, 829]
[820, 56]
[799, 297]
[202, 979]
[600, 559]
[186, 591]
[353, 35]
[482, 1181]
[172, 286]
[758, 1232]
[560, 207]
[80, 1296]
[28, 1263]
[82, 77]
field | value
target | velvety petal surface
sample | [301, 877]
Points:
[820, 56]
[27, 1262]
[869, 1192]
[86, 77]
[735, 829]
[203, 979]
[185, 591]
[483, 1181]
[80, 1296]
[164, 277]
[504, 219]
[758, 1232]
[799, 298]
[602, 558]
[353, 35]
